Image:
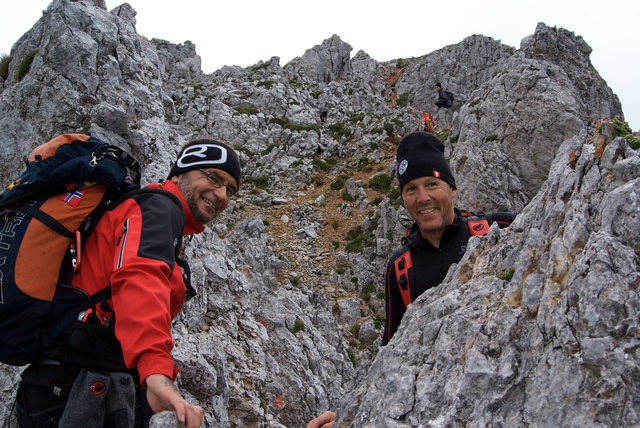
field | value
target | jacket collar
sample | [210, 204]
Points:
[191, 226]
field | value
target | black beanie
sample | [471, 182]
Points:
[422, 155]
[205, 153]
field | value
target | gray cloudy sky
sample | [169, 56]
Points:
[245, 32]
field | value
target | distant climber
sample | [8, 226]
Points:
[429, 122]
[445, 98]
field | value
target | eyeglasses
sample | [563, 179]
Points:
[216, 181]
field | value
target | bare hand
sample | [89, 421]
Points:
[325, 420]
[163, 395]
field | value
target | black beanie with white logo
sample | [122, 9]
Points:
[206, 153]
[421, 154]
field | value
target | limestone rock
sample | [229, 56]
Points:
[261, 344]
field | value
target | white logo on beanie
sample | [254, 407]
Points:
[403, 167]
[202, 154]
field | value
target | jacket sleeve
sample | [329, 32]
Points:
[394, 306]
[147, 288]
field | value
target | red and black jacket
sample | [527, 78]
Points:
[417, 265]
[132, 249]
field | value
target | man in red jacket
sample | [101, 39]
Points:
[133, 250]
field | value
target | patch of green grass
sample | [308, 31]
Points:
[320, 164]
[84, 129]
[492, 137]
[363, 164]
[284, 122]
[381, 183]
[297, 326]
[261, 181]
[352, 358]
[507, 275]
[395, 198]
[622, 129]
[341, 269]
[633, 140]
[388, 127]
[443, 134]
[316, 94]
[335, 224]
[357, 118]
[338, 130]
[260, 67]
[268, 149]
[355, 329]
[339, 182]
[4, 66]
[246, 110]
[239, 148]
[366, 291]
[266, 83]
[402, 100]
[357, 238]
[378, 320]
[25, 64]
[369, 288]
[346, 196]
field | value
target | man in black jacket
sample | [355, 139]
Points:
[445, 98]
[439, 236]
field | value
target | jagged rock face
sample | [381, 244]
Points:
[100, 77]
[279, 318]
[571, 54]
[552, 343]
[325, 62]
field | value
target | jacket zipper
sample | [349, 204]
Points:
[122, 241]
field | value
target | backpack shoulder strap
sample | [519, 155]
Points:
[402, 266]
[478, 223]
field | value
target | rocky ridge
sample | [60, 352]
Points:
[290, 278]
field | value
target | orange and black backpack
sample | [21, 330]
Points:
[45, 218]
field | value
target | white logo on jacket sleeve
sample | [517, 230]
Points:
[202, 154]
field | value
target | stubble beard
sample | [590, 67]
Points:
[192, 202]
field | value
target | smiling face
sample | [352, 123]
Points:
[429, 202]
[204, 199]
